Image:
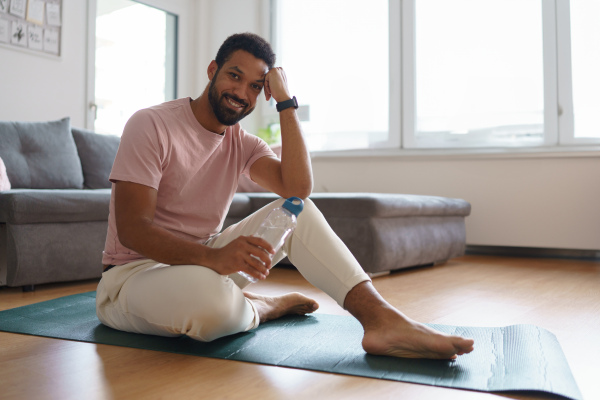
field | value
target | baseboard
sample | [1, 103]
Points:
[378, 274]
[534, 252]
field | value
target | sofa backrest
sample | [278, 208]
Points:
[97, 153]
[52, 155]
[40, 155]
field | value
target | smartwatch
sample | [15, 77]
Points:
[287, 104]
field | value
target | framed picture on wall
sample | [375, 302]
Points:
[34, 26]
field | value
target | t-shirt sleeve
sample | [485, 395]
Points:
[254, 148]
[141, 152]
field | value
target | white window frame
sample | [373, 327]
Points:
[566, 123]
[409, 78]
[559, 137]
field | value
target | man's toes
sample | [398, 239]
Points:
[463, 345]
[308, 308]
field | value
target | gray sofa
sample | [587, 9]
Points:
[53, 220]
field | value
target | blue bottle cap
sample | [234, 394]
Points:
[294, 205]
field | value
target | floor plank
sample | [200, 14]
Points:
[562, 296]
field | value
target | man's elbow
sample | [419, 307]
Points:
[130, 234]
[305, 193]
[126, 238]
[306, 189]
[301, 191]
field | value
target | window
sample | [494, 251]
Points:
[479, 73]
[336, 57]
[460, 73]
[135, 61]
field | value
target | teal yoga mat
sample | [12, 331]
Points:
[512, 358]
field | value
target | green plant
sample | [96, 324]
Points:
[271, 134]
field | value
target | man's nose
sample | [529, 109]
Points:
[240, 92]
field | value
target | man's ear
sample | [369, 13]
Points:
[212, 69]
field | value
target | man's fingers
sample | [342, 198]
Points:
[276, 83]
[259, 259]
[260, 242]
[257, 268]
[283, 74]
[246, 253]
[258, 252]
[267, 90]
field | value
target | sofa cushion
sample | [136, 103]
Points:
[379, 205]
[31, 206]
[97, 153]
[40, 155]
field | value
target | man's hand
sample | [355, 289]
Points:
[292, 175]
[276, 85]
[135, 205]
[239, 255]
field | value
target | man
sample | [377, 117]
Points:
[168, 270]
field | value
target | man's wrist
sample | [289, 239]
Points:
[204, 256]
[285, 104]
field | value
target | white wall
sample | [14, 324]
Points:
[40, 88]
[548, 202]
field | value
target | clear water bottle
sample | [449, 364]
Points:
[277, 226]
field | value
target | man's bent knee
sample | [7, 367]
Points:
[225, 312]
[228, 317]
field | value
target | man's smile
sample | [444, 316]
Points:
[233, 103]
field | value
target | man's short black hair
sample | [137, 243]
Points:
[249, 42]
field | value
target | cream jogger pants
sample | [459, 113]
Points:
[173, 300]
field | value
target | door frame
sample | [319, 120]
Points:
[185, 53]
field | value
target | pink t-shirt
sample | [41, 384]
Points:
[195, 171]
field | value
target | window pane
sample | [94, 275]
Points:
[335, 54]
[135, 61]
[585, 59]
[479, 73]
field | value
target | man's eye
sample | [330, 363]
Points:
[256, 87]
[234, 76]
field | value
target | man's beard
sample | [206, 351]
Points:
[224, 114]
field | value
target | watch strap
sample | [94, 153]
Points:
[287, 104]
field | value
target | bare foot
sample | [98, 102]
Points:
[391, 333]
[400, 336]
[270, 308]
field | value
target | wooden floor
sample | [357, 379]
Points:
[562, 296]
